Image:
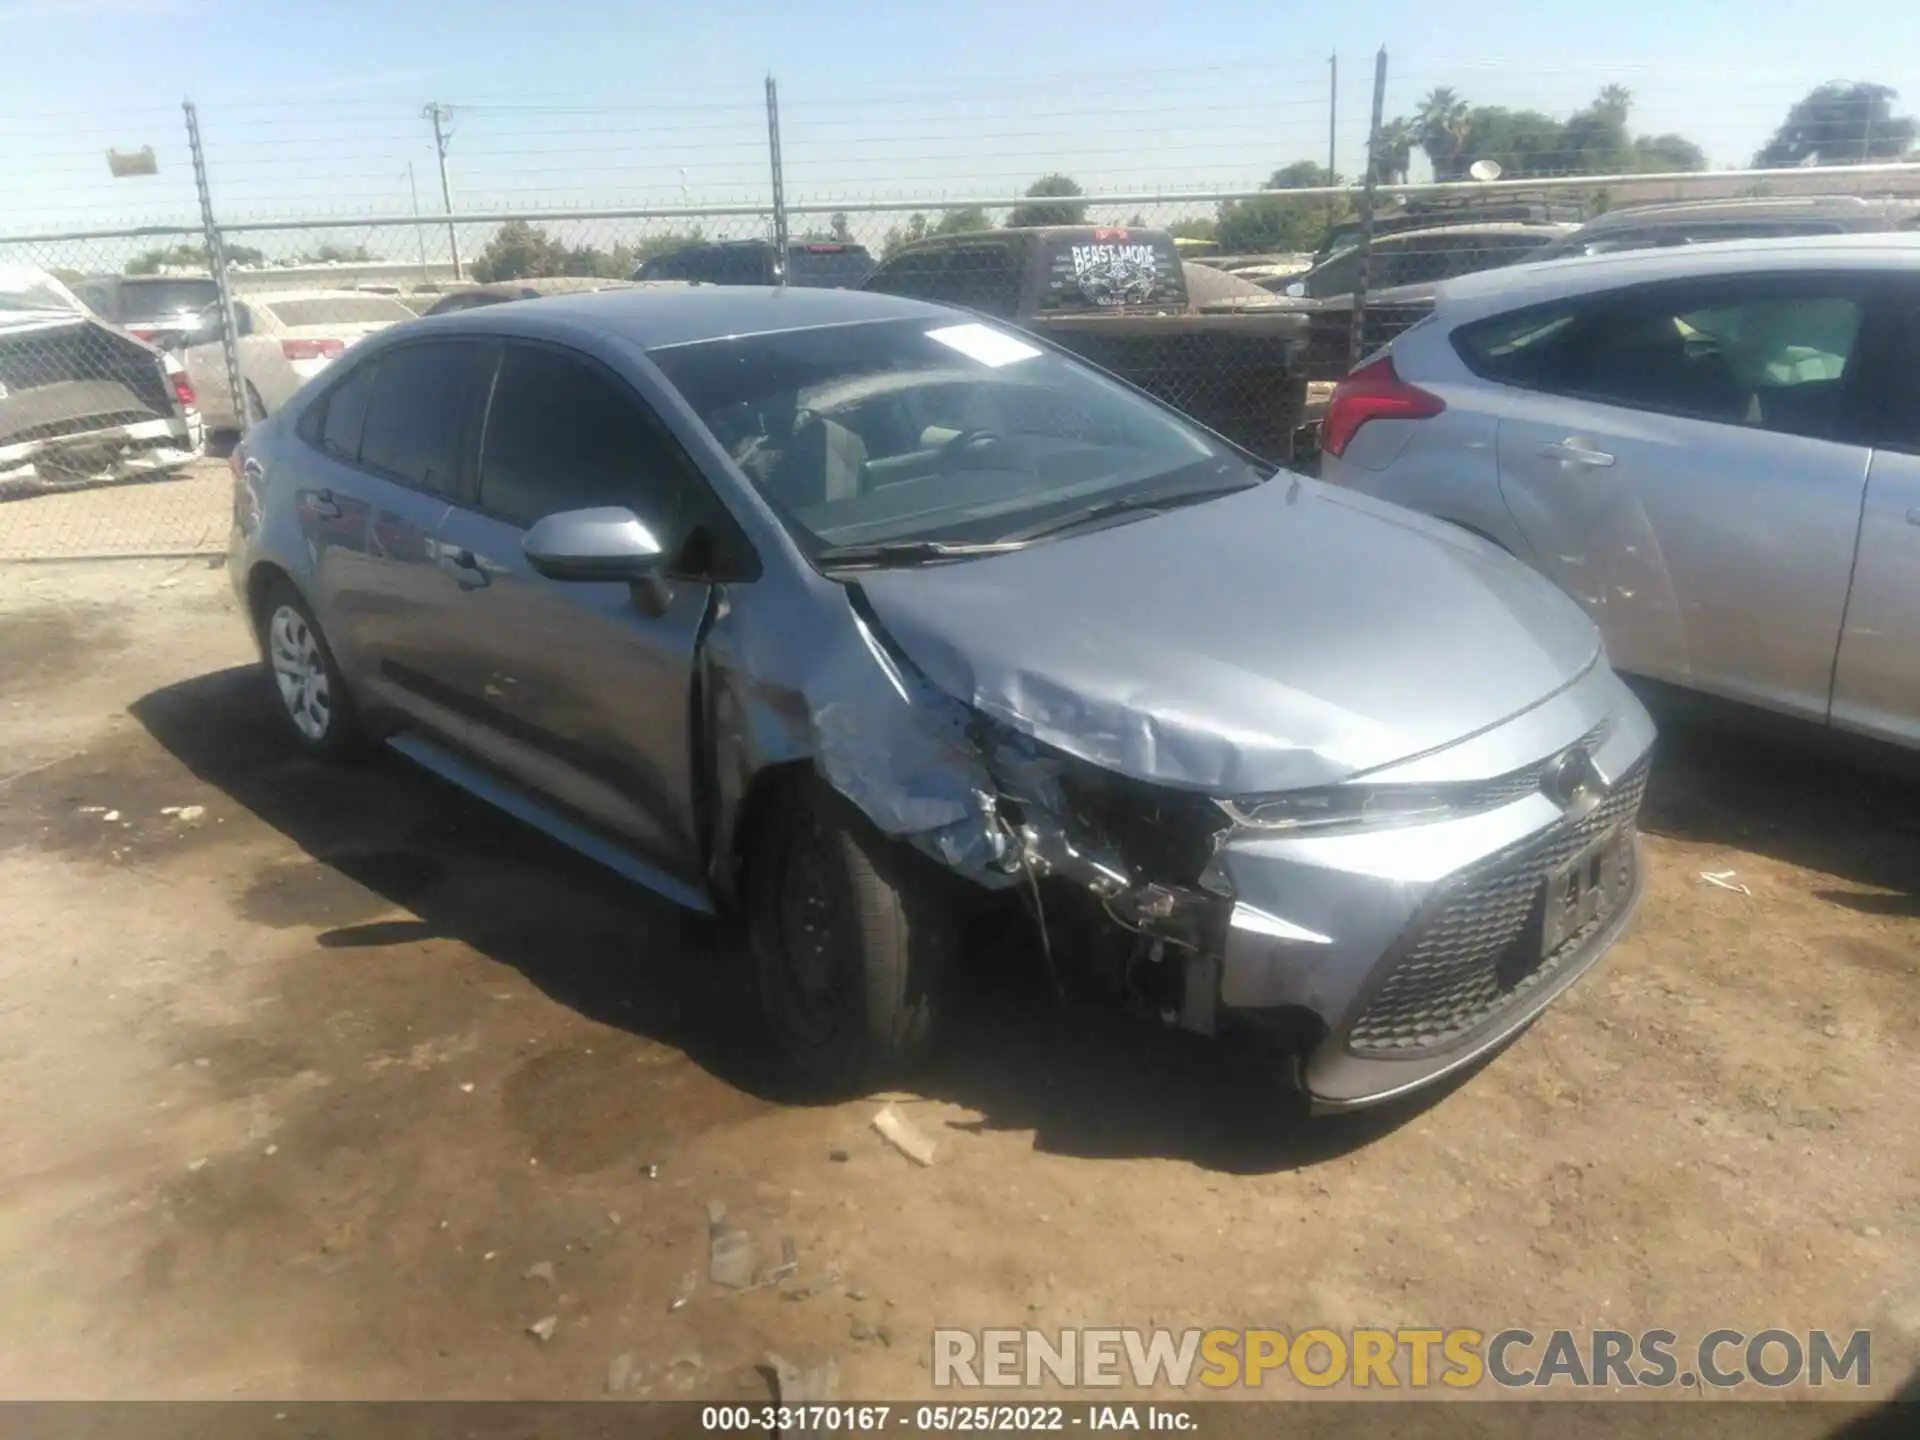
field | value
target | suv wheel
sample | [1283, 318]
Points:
[852, 946]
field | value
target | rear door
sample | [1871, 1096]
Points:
[581, 691]
[397, 601]
[1685, 461]
[1876, 683]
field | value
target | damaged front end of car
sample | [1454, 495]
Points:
[1381, 929]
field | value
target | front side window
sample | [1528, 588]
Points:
[564, 435]
[1769, 356]
[417, 413]
[940, 430]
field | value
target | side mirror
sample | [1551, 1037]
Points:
[608, 543]
[1297, 290]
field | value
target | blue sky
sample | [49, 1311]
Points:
[314, 106]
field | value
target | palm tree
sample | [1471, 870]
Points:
[1441, 126]
[1397, 140]
[1612, 104]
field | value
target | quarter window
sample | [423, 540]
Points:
[344, 412]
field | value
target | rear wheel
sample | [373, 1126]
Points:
[852, 944]
[313, 697]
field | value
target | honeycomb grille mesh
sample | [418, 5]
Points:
[1470, 959]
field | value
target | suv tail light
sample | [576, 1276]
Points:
[1373, 392]
[312, 349]
[183, 390]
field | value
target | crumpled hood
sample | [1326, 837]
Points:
[1293, 635]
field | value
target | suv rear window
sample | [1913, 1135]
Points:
[828, 266]
[1111, 269]
[139, 298]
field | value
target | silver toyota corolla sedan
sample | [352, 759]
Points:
[1715, 449]
[841, 614]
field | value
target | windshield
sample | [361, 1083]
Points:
[340, 310]
[926, 430]
[144, 298]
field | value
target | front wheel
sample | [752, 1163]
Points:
[852, 944]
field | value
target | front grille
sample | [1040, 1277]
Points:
[1474, 956]
[1528, 780]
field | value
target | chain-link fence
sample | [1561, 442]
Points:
[151, 307]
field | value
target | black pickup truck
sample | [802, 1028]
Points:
[1119, 298]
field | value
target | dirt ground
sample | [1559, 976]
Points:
[301, 1084]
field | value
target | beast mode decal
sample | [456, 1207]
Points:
[1115, 272]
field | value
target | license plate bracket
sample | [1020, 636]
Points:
[1576, 892]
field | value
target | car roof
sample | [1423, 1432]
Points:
[655, 320]
[1514, 285]
[270, 298]
[1809, 207]
[1544, 228]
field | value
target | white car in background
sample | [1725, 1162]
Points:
[285, 338]
[1715, 449]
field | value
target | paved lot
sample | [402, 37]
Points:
[301, 1086]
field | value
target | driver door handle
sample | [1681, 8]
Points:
[468, 574]
[1569, 453]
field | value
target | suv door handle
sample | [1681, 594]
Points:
[467, 570]
[321, 502]
[1569, 453]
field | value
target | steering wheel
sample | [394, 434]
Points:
[975, 445]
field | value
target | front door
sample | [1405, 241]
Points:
[1876, 681]
[1684, 462]
[581, 691]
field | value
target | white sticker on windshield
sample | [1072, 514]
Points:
[984, 343]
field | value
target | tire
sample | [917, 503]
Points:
[313, 697]
[852, 944]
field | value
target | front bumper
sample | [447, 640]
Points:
[1417, 950]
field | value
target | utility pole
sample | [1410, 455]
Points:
[436, 112]
[419, 231]
[1333, 132]
[1356, 336]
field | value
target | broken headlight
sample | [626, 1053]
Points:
[1350, 807]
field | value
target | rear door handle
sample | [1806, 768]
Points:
[1568, 453]
[467, 570]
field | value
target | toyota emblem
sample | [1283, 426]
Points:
[1572, 782]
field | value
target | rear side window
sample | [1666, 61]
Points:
[1760, 354]
[417, 413]
[344, 412]
[562, 434]
[828, 266]
[981, 275]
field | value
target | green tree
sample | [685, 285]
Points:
[1397, 139]
[1440, 126]
[190, 257]
[963, 221]
[1198, 227]
[1279, 224]
[1845, 122]
[1667, 152]
[839, 228]
[519, 251]
[1523, 143]
[334, 254]
[900, 236]
[1050, 186]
